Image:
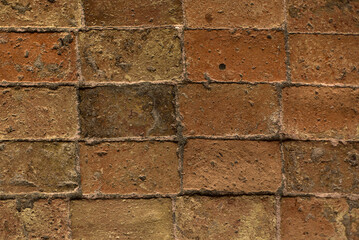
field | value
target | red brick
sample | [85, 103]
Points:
[234, 56]
[329, 59]
[223, 13]
[130, 167]
[229, 109]
[313, 112]
[234, 166]
[133, 13]
[37, 57]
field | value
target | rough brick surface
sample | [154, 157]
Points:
[145, 110]
[330, 59]
[222, 13]
[313, 112]
[228, 109]
[243, 55]
[122, 219]
[132, 13]
[37, 57]
[36, 113]
[235, 166]
[126, 168]
[131, 55]
[244, 217]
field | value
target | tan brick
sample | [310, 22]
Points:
[245, 217]
[10, 224]
[234, 56]
[40, 13]
[312, 112]
[235, 166]
[47, 167]
[329, 59]
[323, 16]
[321, 167]
[229, 109]
[37, 57]
[122, 219]
[131, 55]
[146, 110]
[133, 13]
[36, 113]
[223, 13]
[130, 167]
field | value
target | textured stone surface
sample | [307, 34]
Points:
[122, 219]
[37, 57]
[223, 13]
[229, 109]
[233, 166]
[40, 13]
[223, 218]
[36, 113]
[130, 55]
[130, 167]
[146, 110]
[132, 13]
[323, 16]
[331, 59]
[243, 55]
[311, 112]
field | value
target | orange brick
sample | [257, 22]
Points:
[229, 109]
[233, 56]
[37, 57]
[235, 166]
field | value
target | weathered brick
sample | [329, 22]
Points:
[146, 110]
[323, 16]
[40, 13]
[47, 167]
[43, 219]
[36, 113]
[223, 13]
[330, 59]
[131, 55]
[132, 13]
[129, 167]
[235, 166]
[321, 167]
[245, 217]
[312, 112]
[229, 109]
[122, 219]
[224, 55]
[37, 57]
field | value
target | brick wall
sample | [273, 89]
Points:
[169, 119]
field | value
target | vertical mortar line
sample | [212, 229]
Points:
[278, 217]
[69, 217]
[82, 14]
[286, 44]
[184, 14]
[174, 217]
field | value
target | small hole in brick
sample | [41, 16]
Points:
[222, 66]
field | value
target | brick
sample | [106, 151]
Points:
[131, 55]
[229, 109]
[245, 217]
[317, 113]
[222, 13]
[110, 111]
[234, 166]
[130, 167]
[37, 57]
[40, 13]
[130, 13]
[47, 167]
[122, 219]
[233, 56]
[328, 59]
[31, 112]
[323, 16]
[321, 167]
[43, 219]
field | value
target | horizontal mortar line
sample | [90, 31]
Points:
[352, 196]
[40, 195]
[40, 140]
[101, 84]
[38, 84]
[274, 137]
[172, 138]
[308, 139]
[139, 27]
[338, 85]
[234, 28]
[126, 196]
[324, 33]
